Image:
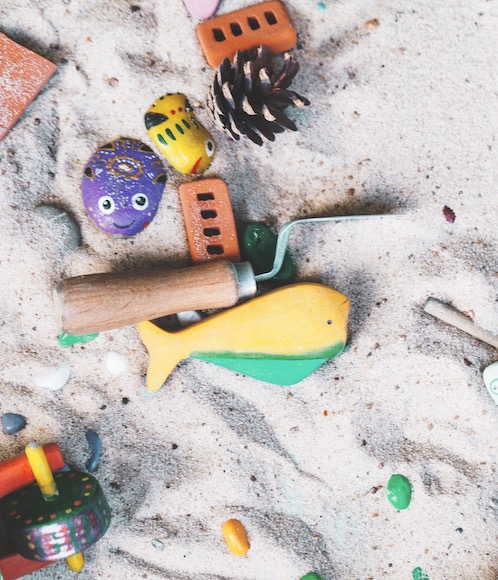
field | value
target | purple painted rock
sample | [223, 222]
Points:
[122, 186]
[201, 9]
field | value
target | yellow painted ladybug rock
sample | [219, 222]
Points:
[174, 128]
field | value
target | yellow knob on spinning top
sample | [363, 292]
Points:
[44, 478]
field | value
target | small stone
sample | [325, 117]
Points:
[399, 491]
[55, 380]
[201, 9]
[490, 376]
[71, 339]
[449, 214]
[13, 423]
[158, 545]
[95, 444]
[235, 537]
[419, 574]
[258, 247]
[59, 218]
[116, 363]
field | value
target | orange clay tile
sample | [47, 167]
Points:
[209, 220]
[22, 76]
[266, 23]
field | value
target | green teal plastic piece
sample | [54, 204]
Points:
[278, 370]
[419, 574]
[399, 491]
[70, 339]
[311, 576]
[258, 247]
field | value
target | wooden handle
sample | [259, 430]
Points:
[104, 301]
[452, 316]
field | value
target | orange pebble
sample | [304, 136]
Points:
[235, 537]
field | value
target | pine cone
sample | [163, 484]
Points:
[248, 99]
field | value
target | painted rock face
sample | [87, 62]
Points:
[177, 133]
[122, 186]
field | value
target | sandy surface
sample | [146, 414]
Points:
[403, 118]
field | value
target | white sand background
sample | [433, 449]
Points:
[404, 117]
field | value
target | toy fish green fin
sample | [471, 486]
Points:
[277, 370]
[165, 352]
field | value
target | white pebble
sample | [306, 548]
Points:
[158, 545]
[54, 380]
[116, 363]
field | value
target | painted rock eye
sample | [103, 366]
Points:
[209, 145]
[140, 201]
[106, 204]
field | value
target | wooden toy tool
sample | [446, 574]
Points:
[279, 337]
[98, 302]
[22, 76]
[265, 23]
[56, 517]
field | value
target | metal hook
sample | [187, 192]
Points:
[285, 231]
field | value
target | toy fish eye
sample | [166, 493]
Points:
[140, 201]
[106, 204]
[329, 321]
[209, 145]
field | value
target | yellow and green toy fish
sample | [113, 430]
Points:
[280, 337]
[174, 128]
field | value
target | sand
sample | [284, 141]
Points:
[403, 119]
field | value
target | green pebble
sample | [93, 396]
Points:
[311, 576]
[419, 574]
[258, 247]
[70, 339]
[399, 491]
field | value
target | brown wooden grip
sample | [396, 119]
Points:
[98, 302]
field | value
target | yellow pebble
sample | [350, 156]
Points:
[235, 537]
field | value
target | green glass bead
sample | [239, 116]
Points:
[311, 576]
[258, 247]
[70, 339]
[419, 574]
[399, 491]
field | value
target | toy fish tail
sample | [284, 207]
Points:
[164, 353]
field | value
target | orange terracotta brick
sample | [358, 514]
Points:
[266, 23]
[22, 76]
[209, 220]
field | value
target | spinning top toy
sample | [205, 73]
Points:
[177, 133]
[97, 302]
[55, 517]
[122, 186]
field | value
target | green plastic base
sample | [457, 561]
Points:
[272, 369]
